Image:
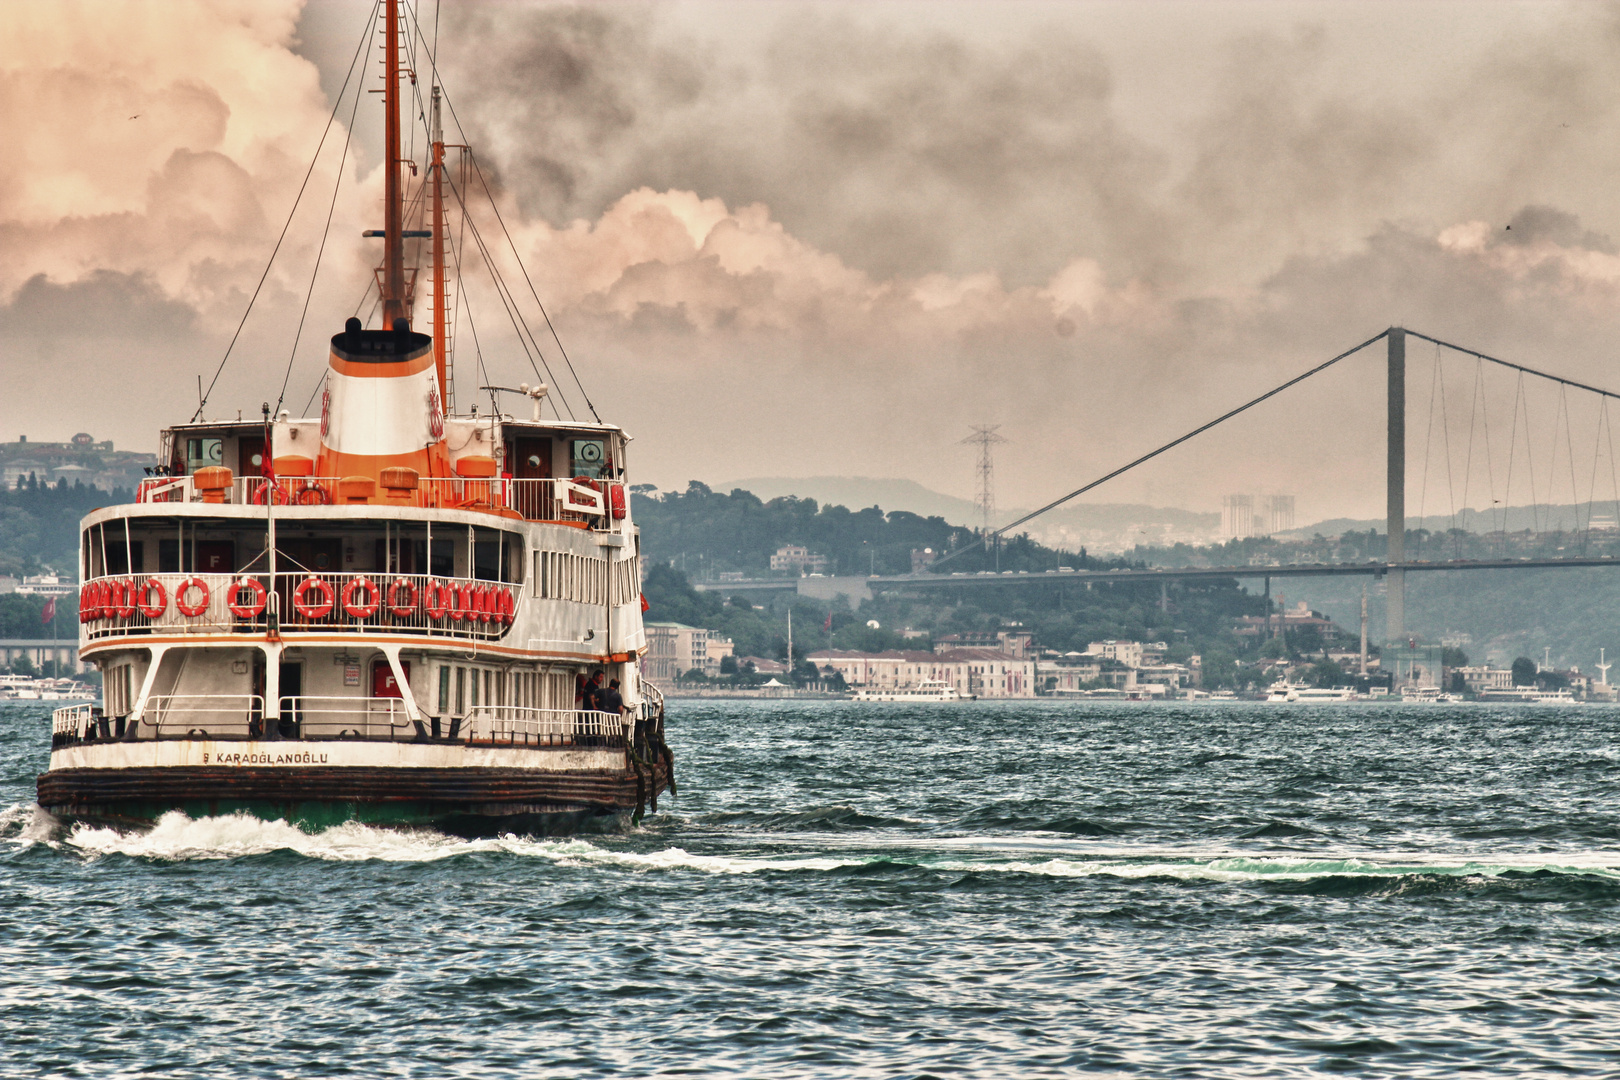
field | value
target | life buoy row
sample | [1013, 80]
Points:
[461, 601]
[312, 598]
[615, 500]
[122, 597]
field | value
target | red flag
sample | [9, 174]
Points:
[644, 604]
[828, 626]
[47, 615]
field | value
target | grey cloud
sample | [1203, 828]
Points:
[902, 153]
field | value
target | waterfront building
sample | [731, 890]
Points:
[674, 648]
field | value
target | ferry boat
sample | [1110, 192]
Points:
[383, 613]
[1283, 691]
[928, 690]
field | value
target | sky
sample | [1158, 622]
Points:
[822, 239]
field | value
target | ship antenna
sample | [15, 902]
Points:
[393, 268]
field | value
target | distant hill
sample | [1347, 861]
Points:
[1100, 527]
[1539, 518]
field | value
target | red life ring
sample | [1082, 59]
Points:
[505, 607]
[93, 601]
[397, 609]
[313, 611]
[435, 600]
[313, 495]
[85, 614]
[460, 601]
[353, 608]
[483, 602]
[143, 598]
[104, 609]
[191, 611]
[616, 500]
[123, 597]
[254, 607]
[277, 492]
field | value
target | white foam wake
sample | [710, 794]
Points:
[177, 837]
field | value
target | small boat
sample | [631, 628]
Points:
[929, 690]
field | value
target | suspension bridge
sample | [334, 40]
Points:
[1488, 471]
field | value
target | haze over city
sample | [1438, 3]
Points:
[807, 240]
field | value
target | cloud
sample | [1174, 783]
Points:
[848, 240]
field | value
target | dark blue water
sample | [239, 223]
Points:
[841, 890]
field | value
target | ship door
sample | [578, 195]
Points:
[292, 692]
[531, 461]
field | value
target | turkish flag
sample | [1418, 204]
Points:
[47, 615]
[828, 625]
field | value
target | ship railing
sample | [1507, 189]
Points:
[580, 501]
[417, 604]
[372, 718]
[519, 725]
[72, 721]
[203, 716]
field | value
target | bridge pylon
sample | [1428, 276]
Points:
[1395, 482]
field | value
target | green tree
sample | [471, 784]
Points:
[1524, 671]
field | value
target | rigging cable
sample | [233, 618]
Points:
[337, 185]
[1172, 444]
[510, 303]
[508, 299]
[203, 400]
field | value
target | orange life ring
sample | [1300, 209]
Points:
[352, 607]
[397, 609]
[435, 599]
[254, 607]
[313, 611]
[143, 598]
[191, 611]
[123, 597]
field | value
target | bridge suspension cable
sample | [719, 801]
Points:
[1171, 445]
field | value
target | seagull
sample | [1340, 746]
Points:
[137, 116]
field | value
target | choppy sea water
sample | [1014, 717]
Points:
[995, 890]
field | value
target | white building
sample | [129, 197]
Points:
[986, 673]
[797, 558]
[674, 648]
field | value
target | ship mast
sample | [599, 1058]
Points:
[393, 268]
[440, 304]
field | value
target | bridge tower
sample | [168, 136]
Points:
[1395, 481]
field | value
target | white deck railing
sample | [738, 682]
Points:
[211, 714]
[595, 503]
[347, 717]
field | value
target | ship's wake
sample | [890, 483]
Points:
[177, 837]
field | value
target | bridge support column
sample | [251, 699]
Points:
[1395, 483]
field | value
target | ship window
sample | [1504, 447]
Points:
[474, 680]
[444, 689]
[204, 452]
[461, 691]
[489, 698]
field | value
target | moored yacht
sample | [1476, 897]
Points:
[390, 612]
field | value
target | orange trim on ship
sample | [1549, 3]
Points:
[392, 369]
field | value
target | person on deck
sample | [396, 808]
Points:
[610, 700]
